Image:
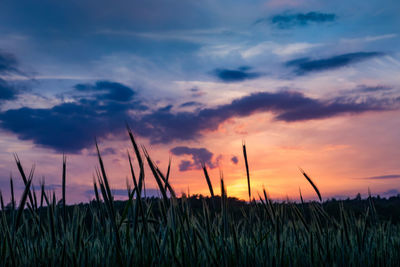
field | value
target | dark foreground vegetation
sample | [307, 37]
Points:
[193, 231]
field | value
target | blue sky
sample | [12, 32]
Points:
[200, 75]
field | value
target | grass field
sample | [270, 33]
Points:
[196, 231]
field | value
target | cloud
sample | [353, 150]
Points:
[8, 66]
[163, 126]
[369, 38]
[8, 63]
[70, 127]
[238, 75]
[370, 89]
[7, 91]
[199, 156]
[190, 104]
[285, 21]
[383, 177]
[111, 90]
[306, 65]
[235, 160]
[365, 91]
[279, 49]
[196, 92]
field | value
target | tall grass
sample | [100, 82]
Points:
[171, 232]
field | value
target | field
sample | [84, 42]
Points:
[193, 230]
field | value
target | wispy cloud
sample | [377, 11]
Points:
[370, 89]
[307, 65]
[8, 66]
[277, 49]
[7, 91]
[206, 35]
[369, 38]
[383, 177]
[190, 104]
[8, 63]
[287, 20]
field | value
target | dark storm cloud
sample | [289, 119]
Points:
[199, 156]
[306, 65]
[284, 21]
[235, 75]
[163, 126]
[69, 127]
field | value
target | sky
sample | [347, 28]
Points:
[305, 84]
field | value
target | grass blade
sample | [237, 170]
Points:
[2, 201]
[208, 180]
[12, 194]
[312, 184]
[21, 170]
[63, 188]
[167, 185]
[247, 169]
[22, 204]
[168, 172]
[155, 174]
[139, 159]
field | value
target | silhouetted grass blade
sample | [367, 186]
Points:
[208, 180]
[21, 171]
[2, 201]
[247, 169]
[170, 231]
[156, 175]
[22, 204]
[312, 184]
[63, 188]
[108, 197]
[168, 172]
[12, 194]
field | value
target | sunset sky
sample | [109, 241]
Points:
[309, 84]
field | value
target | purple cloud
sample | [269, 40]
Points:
[200, 156]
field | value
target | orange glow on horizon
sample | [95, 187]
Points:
[336, 161]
